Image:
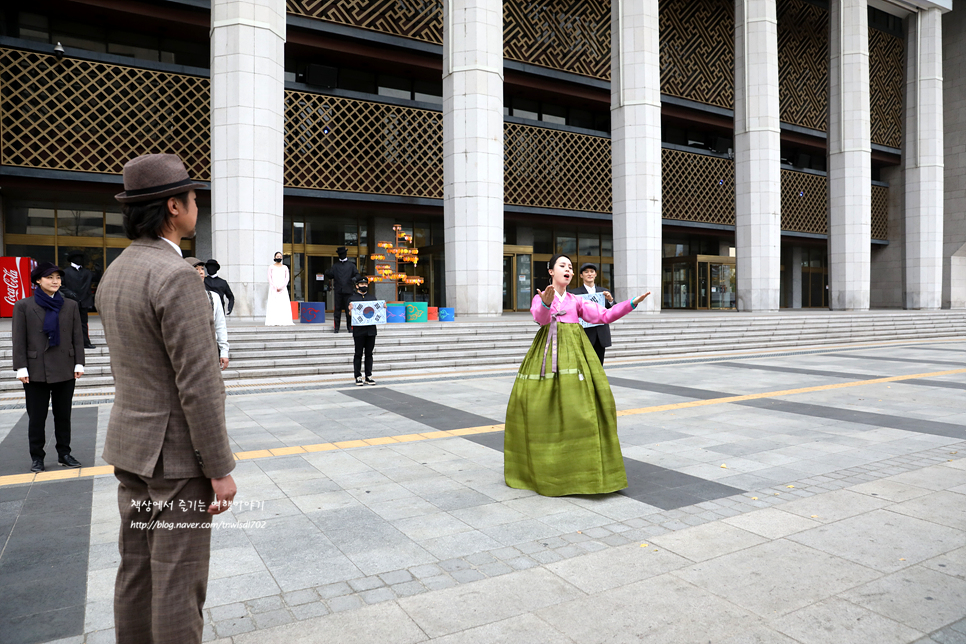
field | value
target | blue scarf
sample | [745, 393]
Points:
[51, 306]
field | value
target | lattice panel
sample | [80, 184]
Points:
[568, 35]
[554, 169]
[698, 50]
[886, 76]
[334, 143]
[697, 187]
[416, 19]
[880, 212]
[85, 116]
[804, 202]
[803, 64]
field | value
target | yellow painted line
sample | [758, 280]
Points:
[440, 434]
[320, 447]
[285, 451]
[349, 444]
[786, 392]
[406, 438]
[476, 430]
[258, 453]
[380, 441]
[56, 475]
[16, 479]
[97, 471]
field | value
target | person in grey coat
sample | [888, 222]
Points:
[48, 356]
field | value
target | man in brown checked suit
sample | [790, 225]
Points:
[166, 438]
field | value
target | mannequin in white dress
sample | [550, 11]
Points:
[278, 309]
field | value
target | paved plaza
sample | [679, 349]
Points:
[775, 498]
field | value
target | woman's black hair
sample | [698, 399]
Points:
[553, 261]
[149, 218]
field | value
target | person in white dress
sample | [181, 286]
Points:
[278, 309]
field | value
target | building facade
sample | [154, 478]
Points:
[750, 154]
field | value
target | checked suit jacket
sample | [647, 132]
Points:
[169, 395]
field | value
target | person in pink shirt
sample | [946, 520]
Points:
[561, 420]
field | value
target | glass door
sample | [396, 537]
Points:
[523, 282]
[508, 283]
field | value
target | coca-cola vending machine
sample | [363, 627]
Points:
[16, 282]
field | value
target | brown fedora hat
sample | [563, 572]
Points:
[154, 176]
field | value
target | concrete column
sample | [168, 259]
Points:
[796, 268]
[247, 137]
[473, 155]
[636, 149]
[849, 157]
[923, 158]
[757, 156]
[954, 119]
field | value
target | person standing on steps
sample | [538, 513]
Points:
[364, 336]
[218, 285]
[77, 286]
[343, 274]
[278, 308]
[218, 313]
[48, 356]
[166, 438]
[599, 335]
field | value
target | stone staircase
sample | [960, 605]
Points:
[274, 354]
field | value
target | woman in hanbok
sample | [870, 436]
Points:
[561, 421]
[278, 309]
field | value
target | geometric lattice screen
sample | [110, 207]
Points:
[72, 114]
[880, 212]
[804, 202]
[555, 169]
[886, 74]
[697, 187]
[334, 143]
[698, 50]
[803, 64]
[568, 35]
[416, 19]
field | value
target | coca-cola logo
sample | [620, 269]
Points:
[11, 279]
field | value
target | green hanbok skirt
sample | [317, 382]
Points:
[561, 428]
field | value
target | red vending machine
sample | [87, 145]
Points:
[16, 282]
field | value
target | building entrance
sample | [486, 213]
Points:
[700, 282]
[517, 277]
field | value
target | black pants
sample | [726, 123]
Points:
[342, 304]
[59, 396]
[83, 316]
[367, 343]
[599, 348]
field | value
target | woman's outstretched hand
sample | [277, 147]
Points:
[639, 299]
[546, 295]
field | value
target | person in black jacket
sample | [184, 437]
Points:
[599, 335]
[48, 356]
[218, 285]
[343, 273]
[77, 286]
[364, 336]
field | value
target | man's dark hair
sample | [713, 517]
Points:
[149, 218]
